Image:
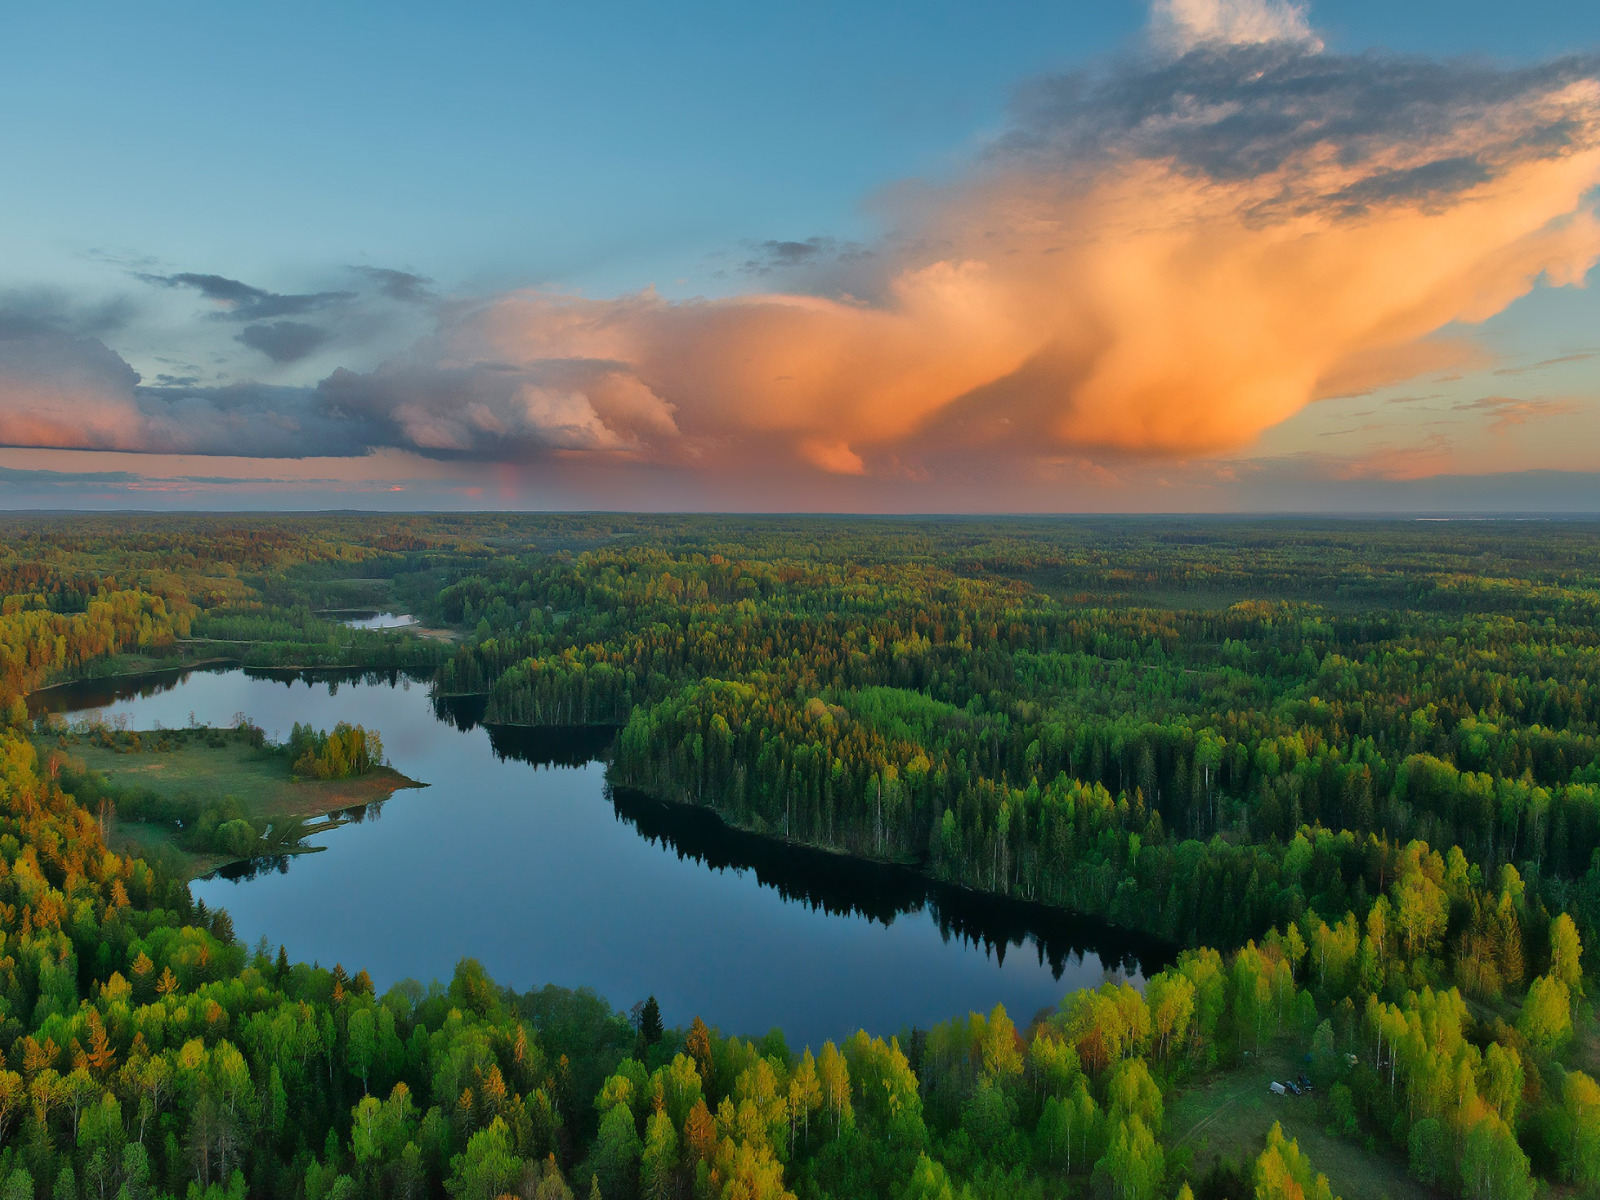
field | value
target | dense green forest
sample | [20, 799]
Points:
[1351, 767]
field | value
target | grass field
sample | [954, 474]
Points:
[259, 779]
[1230, 1114]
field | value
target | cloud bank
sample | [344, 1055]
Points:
[1163, 257]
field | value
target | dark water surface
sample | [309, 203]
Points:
[518, 854]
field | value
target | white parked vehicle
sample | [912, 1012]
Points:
[1278, 1089]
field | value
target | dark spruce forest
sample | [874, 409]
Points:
[1347, 771]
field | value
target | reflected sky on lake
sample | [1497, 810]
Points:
[539, 873]
[377, 620]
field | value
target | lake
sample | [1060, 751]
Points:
[518, 854]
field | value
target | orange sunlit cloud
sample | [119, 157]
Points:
[1123, 306]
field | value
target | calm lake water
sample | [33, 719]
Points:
[376, 620]
[518, 854]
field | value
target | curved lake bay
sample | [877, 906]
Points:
[518, 854]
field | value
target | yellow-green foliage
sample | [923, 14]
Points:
[347, 751]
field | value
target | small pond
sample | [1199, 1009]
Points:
[366, 619]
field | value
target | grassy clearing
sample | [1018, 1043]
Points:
[436, 635]
[259, 779]
[1230, 1113]
[190, 766]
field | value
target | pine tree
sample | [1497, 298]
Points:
[650, 1027]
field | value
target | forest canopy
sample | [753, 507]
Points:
[1351, 768]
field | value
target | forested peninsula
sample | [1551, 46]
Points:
[1349, 769]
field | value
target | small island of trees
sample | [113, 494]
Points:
[349, 751]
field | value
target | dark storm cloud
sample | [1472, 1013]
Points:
[493, 410]
[36, 348]
[812, 255]
[1440, 179]
[398, 285]
[775, 255]
[61, 389]
[1235, 112]
[283, 341]
[65, 391]
[252, 419]
[245, 303]
[53, 309]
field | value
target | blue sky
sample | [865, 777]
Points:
[602, 146]
[590, 149]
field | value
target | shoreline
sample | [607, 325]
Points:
[911, 868]
[1146, 943]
